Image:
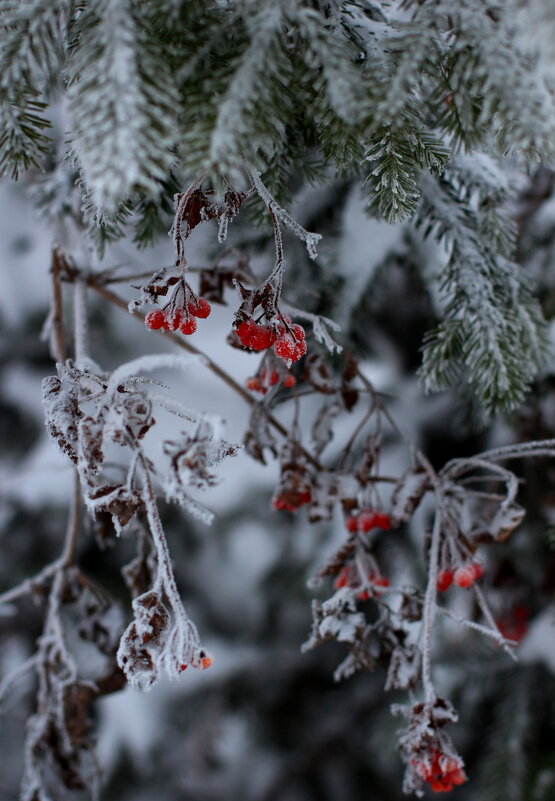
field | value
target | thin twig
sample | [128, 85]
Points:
[484, 608]
[429, 611]
[57, 340]
[70, 542]
[495, 634]
[28, 585]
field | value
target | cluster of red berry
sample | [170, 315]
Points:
[182, 319]
[463, 576]
[366, 520]
[290, 500]
[203, 663]
[348, 576]
[269, 378]
[441, 772]
[287, 340]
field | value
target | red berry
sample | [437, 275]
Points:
[206, 662]
[255, 385]
[298, 332]
[200, 309]
[344, 578]
[261, 338]
[289, 380]
[364, 595]
[439, 786]
[444, 580]
[477, 569]
[279, 504]
[382, 521]
[456, 777]
[188, 326]
[300, 350]
[351, 523]
[274, 377]
[464, 576]
[381, 581]
[244, 331]
[521, 612]
[182, 668]
[285, 349]
[366, 521]
[155, 319]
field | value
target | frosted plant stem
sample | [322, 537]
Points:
[429, 612]
[277, 273]
[27, 585]
[494, 634]
[70, 543]
[15, 675]
[57, 344]
[542, 447]
[165, 575]
[310, 239]
[484, 608]
[81, 322]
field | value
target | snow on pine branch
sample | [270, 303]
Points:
[122, 124]
[492, 335]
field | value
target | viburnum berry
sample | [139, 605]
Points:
[289, 380]
[255, 384]
[206, 662]
[464, 576]
[291, 500]
[298, 332]
[514, 625]
[291, 344]
[382, 521]
[188, 326]
[444, 580]
[200, 309]
[155, 319]
[351, 523]
[244, 331]
[261, 337]
[255, 336]
[477, 569]
[347, 577]
[378, 581]
[365, 521]
[441, 772]
[182, 668]
[285, 348]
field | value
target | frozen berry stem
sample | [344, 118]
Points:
[165, 579]
[310, 239]
[429, 612]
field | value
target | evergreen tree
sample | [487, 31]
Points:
[292, 133]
